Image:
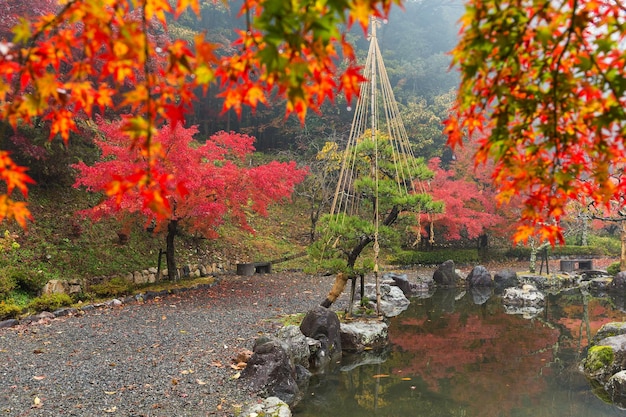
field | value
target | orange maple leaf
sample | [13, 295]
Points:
[182, 5]
[254, 95]
[157, 8]
[350, 82]
[62, 123]
[15, 210]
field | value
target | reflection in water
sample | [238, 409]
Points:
[460, 354]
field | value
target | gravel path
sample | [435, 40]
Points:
[165, 357]
[169, 356]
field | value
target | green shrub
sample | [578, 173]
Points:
[610, 245]
[7, 284]
[9, 310]
[83, 296]
[28, 281]
[436, 257]
[19, 298]
[114, 287]
[613, 269]
[15, 278]
[50, 302]
[522, 253]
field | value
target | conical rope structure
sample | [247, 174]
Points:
[377, 111]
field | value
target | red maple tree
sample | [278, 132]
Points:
[291, 49]
[204, 183]
[470, 208]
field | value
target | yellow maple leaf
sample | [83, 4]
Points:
[360, 11]
[182, 5]
[62, 124]
[16, 210]
[157, 8]
[254, 95]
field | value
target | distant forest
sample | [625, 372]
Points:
[414, 41]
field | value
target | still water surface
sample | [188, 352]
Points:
[452, 357]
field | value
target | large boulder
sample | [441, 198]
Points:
[602, 284]
[526, 296]
[605, 362]
[401, 281]
[270, 372]
[506, 278]
[479, 277]
[392, 299]
[619, 282]
[296, 345]
[272, 406]
[605, 359]
[616, 388]
[445, 275]
[359, 335]
[56, 286]
[323, 325]
[610, 329]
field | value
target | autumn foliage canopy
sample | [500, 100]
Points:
[203, 184]
[95, 55]
[543, 92]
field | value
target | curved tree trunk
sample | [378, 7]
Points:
[342, 279]
[172, 231]
[366, 240]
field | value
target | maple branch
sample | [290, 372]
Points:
[148, 80]
[555, 98]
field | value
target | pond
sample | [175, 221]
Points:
[450, 356]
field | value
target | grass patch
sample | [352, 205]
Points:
[291, 319]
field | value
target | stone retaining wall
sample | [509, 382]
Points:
[146, 276]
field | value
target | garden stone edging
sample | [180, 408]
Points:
[115, 302]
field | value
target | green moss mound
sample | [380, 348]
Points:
[50, 302]
[598, 357]
[9, 310]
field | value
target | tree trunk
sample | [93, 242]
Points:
[366, 240]
[356, 251]
[172, 231]
[534, 250]
[315, 216]
[532, 267]
[341, 279]
[584, 238]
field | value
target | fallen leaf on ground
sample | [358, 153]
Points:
[110, 392]
[110, 410]
[187, 371]
[39, 377]
[381, 376]
[243, 356]
[200, 382]
[36, 403]
[217, 364]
